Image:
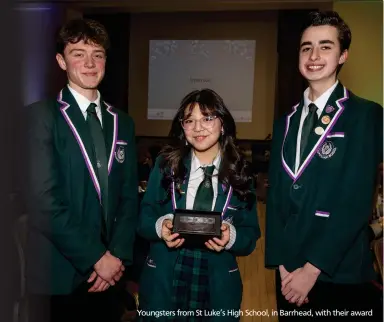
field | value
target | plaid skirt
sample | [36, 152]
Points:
[191, 285]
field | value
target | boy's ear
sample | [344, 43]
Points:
[61, 61]
[343, 57]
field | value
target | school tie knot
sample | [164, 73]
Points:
[204, 194]
[310, 120]
[92, 108]
[312, 108]
[208, 171]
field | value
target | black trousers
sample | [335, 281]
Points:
[333, 301]
[81, 306]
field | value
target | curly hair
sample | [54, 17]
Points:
[234, 170]
[87, 30]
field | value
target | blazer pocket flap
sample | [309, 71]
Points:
[336, 135]
[121, 142]
[322, 213]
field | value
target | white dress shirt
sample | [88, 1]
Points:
[84, 102]
[320, 102]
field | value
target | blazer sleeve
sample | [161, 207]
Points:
[274, 224]
[151, 209]
[124, 232]
[48, 205]
[351, 202]
[247, 230]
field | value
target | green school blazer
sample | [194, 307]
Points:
[64, 193]
[320, 214]
[225, 282]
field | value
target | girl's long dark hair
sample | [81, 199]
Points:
[233, 171]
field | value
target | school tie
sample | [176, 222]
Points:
[204, 195]
[101, 163]
[308, 126]
[191, 273]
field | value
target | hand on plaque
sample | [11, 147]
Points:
[216, 244]
[170, 239]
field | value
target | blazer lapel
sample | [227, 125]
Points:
[110, 128]
[327, 120]
[76, 122]
[223, 199]
[179, 191]
[288, 151]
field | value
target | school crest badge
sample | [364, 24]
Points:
[327, 150]
[329, 109]
[150, 262]
[120, 154]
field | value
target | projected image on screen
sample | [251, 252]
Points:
[177, 67]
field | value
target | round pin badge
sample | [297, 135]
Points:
[325, 119]
[319, 130]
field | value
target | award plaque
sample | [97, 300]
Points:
[196, 227]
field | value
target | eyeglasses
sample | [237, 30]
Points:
[206, 122]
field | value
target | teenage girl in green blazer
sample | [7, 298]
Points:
[202, 169]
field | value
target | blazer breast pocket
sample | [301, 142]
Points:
[331, 152]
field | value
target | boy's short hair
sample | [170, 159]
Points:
[330, 18]
[88, 30]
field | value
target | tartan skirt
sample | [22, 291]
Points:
[191, 285]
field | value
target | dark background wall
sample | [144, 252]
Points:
[114, 87]
[290, 83]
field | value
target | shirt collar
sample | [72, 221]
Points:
[196, 165]
[84, 102]
[322, 100]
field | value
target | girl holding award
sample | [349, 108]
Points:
[200, 178]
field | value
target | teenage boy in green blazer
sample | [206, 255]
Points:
[325, 154]
[82, 186]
